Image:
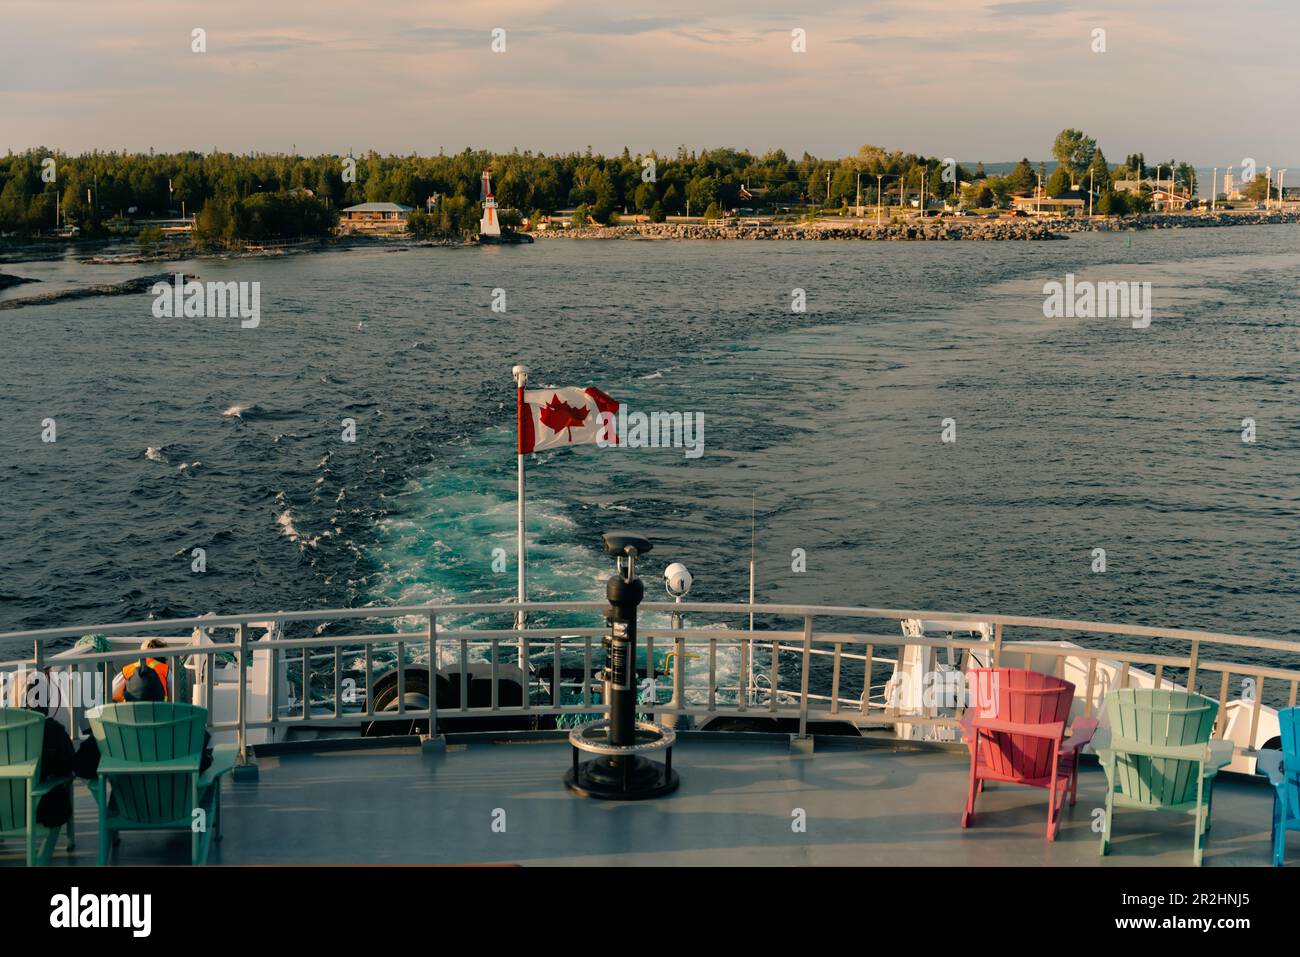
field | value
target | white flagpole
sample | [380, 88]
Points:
[520, 373]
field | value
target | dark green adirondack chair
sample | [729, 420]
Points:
[22, 733]
[149, 777]
[1158, 755]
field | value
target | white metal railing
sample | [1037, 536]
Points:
[846, 693]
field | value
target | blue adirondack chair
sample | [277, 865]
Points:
[149, 778]
[1157, 755]
[22, 733]
[1283, 770]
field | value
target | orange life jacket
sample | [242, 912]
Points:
[159, 668]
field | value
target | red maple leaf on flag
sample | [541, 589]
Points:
[557, 415]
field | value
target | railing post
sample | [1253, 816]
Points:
[802, 742]
[675, 720]
[586, 672]
[997, 645]
[1092, 680]
[273, 672]
[745, 672]
[73, 696]
[835, 679]
[241, 636]
[338, 682]
[1254, 712]
[434, 741]
[24, 692]
[1222, 720]
[401, 677]
[867, 668]
[776, 675]
[244, 769]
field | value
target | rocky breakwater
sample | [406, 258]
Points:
[917, 230]
[1190, 220]
[6, 280]
[140, 284]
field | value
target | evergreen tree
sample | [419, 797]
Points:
[1060, 182]
[1100, 173]
[1021, 179]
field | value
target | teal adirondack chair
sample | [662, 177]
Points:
[22, 733]
[1283, 770]
[149, 776]
[1157, 755]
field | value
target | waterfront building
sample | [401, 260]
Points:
[375, 217]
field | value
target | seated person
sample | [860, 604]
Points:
[159, 667]
[143, 684]
[55, 808]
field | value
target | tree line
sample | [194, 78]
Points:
[262, 195]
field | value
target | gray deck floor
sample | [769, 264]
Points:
[735, 806]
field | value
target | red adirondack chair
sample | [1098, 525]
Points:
[1015, 728]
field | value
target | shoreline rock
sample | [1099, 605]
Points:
[139, 284]
[8, 282]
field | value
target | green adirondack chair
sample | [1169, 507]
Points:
[22, 733]
[149, 777]
[1157, 755]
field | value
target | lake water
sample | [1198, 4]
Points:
[1072, 434]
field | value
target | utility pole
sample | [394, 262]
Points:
[880, 205]
[828, 187]
[1214, 189]
[1090, 179]
[857, 206]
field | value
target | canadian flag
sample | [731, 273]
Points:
[568, 416]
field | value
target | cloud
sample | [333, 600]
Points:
[1029, 8]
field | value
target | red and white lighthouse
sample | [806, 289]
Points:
[490, 224]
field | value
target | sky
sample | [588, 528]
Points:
[1211, 83]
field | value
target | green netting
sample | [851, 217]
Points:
[97, 643]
